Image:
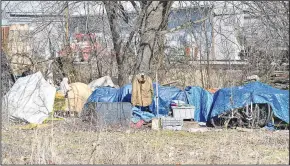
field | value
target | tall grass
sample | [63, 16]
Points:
[73, 142]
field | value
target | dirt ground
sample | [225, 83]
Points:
[75, 142]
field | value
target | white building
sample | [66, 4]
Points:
[223, 28]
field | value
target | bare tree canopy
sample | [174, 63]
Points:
[122, 38]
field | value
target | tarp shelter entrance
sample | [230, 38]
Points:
[30, 99]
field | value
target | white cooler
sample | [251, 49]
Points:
[183, 112]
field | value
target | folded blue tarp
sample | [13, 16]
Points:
[227, 99]
[141, 115]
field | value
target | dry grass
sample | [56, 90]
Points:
[74, 142]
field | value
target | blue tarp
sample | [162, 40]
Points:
[201, 99]
[123, 94]
[256, 92]
[206, 104]
[166, 95]
[104, 94]
[141, 115]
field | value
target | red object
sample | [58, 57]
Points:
[212, 90]
[138, 124]
[86, 56]
[187, 51]
[85, 47]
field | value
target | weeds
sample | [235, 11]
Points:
[72, 143]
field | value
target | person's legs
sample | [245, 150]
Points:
[144, 109]
[147, 109]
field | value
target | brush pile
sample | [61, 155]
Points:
[280, 79]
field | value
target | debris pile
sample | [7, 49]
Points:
[280, 80]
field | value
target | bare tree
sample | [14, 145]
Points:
[7, 76]
[137, 36]
[151, 17]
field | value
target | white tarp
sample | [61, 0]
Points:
[103, 81]
[30, 99]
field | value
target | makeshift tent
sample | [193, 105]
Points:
[123, 94]
[256, 92]
[101, 82]
[30, 99]
[78, 96]
[166, 94]
[206, 104]
[104, 94]
[201, 99]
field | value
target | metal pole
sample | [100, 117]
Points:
[251, 107]
[247, 110]
[252, 115]
[157, 100]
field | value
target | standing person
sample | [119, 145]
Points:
[64, 89]
[49, 73]
[64, 86]
[142, 91]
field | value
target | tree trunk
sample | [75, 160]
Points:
[112, 13]
[7, 76]
[155, 21]
[150, 20]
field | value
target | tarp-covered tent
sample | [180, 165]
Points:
[30, 99]
[256, 92]
[166, 95]
[206, 104]
[78, 96]
[101, 82]
[201, 99]
[123, 94]
[104, 94]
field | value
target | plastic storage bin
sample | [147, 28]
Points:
[183, 112]
[171, 123]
